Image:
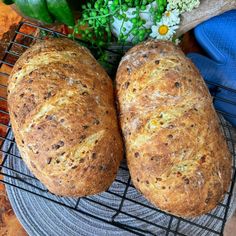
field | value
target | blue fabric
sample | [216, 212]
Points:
[217, 37]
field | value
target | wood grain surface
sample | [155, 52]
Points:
[206, 10]
[9, 224]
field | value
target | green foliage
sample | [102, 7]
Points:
[47, 11]
[98, 15]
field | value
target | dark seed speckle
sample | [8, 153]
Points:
[136, 154]
[85, 93]
[96, 122]
[102, 167]
[81, 160]
[126, 85]
[49, 159]
[177, 85]
[94, 156]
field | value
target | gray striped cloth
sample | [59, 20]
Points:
[40, 216]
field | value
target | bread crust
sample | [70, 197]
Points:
[63, 117]
[176, 152]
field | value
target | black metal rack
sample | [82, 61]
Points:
[173, 224]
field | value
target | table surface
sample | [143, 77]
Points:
[9, 224]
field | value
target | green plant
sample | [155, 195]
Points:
[47, 11]
[97, 17]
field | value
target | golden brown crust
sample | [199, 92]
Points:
[62, 113]
[177, 155]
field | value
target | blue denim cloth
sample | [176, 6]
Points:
[217, 37]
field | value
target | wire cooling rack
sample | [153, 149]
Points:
[20, 178]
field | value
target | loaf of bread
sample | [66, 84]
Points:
[63, 117]
[177, 155]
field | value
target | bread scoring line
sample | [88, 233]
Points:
[37, 62]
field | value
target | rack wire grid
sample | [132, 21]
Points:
[172, 225]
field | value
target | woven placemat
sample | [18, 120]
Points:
[42, 217]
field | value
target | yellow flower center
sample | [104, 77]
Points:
[167, 13]
[163, 29]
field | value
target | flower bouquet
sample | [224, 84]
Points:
[122, 21]
[131, 20]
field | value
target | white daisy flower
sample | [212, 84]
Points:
[163, 31]
[171, 17]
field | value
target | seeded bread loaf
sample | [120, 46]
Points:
[177, 155]
[62, 113]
